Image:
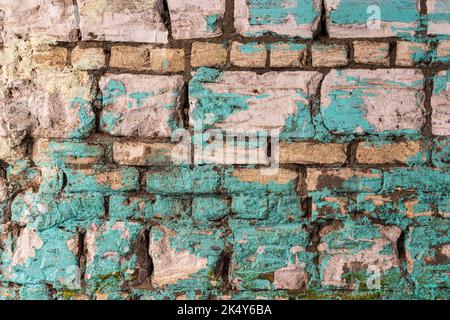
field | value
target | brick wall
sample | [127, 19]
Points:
[110, 189]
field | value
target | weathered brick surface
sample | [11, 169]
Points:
[373, 102]
[246, 149]
[138, 21]
[196, 18]
[128, 98]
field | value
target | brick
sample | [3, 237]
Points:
[309, 153]
[241, 180]
[438, 17]
[54, 153]
[256, 18]
[128, 98]
[250, 55]
[423, 179]
[330, 206]
[167, 60]
[53, 57]
[180, 180]
[112, 253]
[206, 54]
[126, 57]
[427, 256]
[440, 154]
[397, 207]
[49, 256]
[345, 264]
[288, 55]
[42, 212]
[385, 152]
[357, 19]
[344, 180]
[185, 257]
[329, 55]
[375, 102]
[412, 53]
[148, 207]
[442, 52]
[209, 208]
[122, 21]
[54, 104]
[145, 154]
[440, 101]
[40, 19]
[248, 103]
[372, 53]
[196, 18]
[271, 258]
[102, 180]
[88, 58]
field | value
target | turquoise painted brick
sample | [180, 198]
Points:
[422, 179]
[185, 257]
[327, 205]
[427, 255]
[183, 180]
[102, 180]
[112, 260]
[47, 256]
[251, 206]
[209, 208]
[440, 154]
[269, 258]
[42, 211]
[122, 207]
[354, 254]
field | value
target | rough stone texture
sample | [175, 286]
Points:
[88, 59]
[373, 53]
[439, 103]
[167, 60]
[442, 52]
[271, 101]
[329, 55]
[289, 18]
[438, 17]
[127, 99]
[287, 55]
[47, 21]
[411, 53]
[355, 18]
[250, 55]
[373, 102]
[308, 153]
[409, 152]
[137, 21]
[135, 58]
[196, 18]
[54, 104]
[206, 54]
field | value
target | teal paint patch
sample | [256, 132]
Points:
[287, 46]
[183, 180]
[232, 184]
[139, 97]
[326, 205]
[440, 154]
[209, 209]
[265, 258]
[420, 178]
[202, 247]
[212, 23]
[34, 292]
[103, 180]
[267, 13]
[355, 11]
[299, 125]
[112, 259]
[110, 120]
[251, 48]
[113, 90]
[147, 207]
[86, 118]
[441, 82]
[41, 211]
[428, 262]
[53, 262]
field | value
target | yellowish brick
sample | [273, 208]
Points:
[54, 57]
[88, 58]
[288, 55]
[410, 53]
[312, 153]
[167, 60]
[134, 58]
[329, 55]
[248, 55]
[373, 53]
[388, 153]
[208, 54]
